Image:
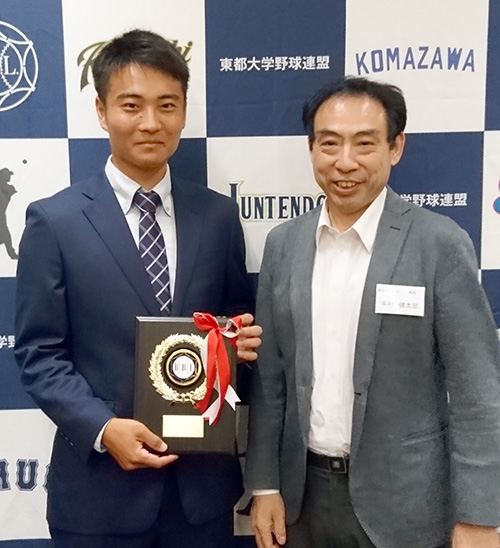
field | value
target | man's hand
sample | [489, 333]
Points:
[466, 535]
[248, 339]
[268, 520]
[134, 446]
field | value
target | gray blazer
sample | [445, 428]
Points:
[425, 448]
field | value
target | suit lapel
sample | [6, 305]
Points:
[391, 234]
[189, 215]
[107, 218]
[302, 258]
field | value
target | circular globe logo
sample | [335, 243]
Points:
[18, 67]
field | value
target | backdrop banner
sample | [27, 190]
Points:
[252, 65]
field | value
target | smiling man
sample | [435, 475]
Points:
[375, 411]
[132, 241]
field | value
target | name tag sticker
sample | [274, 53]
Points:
[402, 300]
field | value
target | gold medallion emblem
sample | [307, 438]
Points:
[176, 362]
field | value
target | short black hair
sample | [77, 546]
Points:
[390, 97]
[138, 47]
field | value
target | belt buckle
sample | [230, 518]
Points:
[338, 465]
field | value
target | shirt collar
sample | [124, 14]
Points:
[124, 188]
[366, 226]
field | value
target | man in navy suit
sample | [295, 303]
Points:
[81, 284]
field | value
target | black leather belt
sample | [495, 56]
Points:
[336, 465]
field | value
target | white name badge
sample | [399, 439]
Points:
[403, 300]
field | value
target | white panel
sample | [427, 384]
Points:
[268, 171]
[444, 92]
[183, 426]
[490, 249]
[34, 176]
[93, 21]
[27, 435]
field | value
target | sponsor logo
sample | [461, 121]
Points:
[415, 58]
[446, 199]
[24, 473]
[18, 67]
[279, 207]
[496, 203]
[7, 341]
[6, 192]
[87, 56]
[272, 207]
[269, 63]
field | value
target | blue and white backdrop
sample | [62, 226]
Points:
[252, 65]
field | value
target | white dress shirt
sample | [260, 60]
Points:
[340, 267]
[124, 189]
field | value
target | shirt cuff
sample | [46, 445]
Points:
[98, 446]
[258, 492]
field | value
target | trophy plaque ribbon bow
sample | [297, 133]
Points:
[216, 364]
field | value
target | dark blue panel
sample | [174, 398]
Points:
[88, 156]
[268, 102]
[493, 69]
[190, 161]
[445, 163]
[35, 543]
[238, 542]
[43, 112]
[491, 283]
[12, 394]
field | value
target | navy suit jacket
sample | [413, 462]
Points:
[81, 284]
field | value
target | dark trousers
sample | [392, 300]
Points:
[171, 530]
[327, 519]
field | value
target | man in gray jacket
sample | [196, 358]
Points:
[375, 414]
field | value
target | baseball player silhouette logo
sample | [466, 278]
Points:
[6, 192]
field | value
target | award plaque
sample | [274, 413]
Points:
[170, 380]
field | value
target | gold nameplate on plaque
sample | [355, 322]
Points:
[183, 426]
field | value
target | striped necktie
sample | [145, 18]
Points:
[152, 247]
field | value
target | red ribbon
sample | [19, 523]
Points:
[217, 358]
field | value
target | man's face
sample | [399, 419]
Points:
[351, 155]
[144, 113]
